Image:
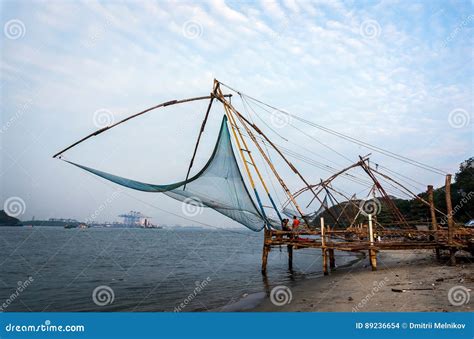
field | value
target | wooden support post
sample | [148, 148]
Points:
[290, 257]
[266, 250]
[325, 262]
[452, 256]
[373, 259]
[323, 248]
[372, 252]
[449, 210]
[371, 231]
[434, 224]
[332, 260]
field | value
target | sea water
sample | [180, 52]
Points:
[111, 269]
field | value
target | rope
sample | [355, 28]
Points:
[349, 138]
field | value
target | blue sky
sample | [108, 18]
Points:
[397, 74]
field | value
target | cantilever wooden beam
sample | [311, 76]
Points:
[164, 104]
[201, 131]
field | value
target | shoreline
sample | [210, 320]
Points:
[405, 281]
[249, 302]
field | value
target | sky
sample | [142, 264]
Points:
[396, 74]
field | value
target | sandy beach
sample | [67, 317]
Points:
[404, 282]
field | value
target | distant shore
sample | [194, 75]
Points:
[406, 281]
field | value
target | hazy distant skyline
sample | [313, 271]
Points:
[395, 74]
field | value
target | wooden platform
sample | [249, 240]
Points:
[356, 241]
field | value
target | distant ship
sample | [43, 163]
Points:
[81, 226]
[153, 226]
[136, 219]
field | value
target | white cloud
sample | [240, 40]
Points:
[307, 57]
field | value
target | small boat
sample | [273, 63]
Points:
[68, 226]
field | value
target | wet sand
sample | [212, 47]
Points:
[405, 281]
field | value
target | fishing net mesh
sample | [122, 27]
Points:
[218, 185]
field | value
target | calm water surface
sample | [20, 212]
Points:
[148, 270]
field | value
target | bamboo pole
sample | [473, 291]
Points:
[394, 209]
[229, 107]
[332, 260]
[449, 210]
[241, 152]
[372, 253]
[103, 129]
[417, 197]
[326, 182]
[323, 248]
[201, 131]
[434, 224]
[254, 164]
[371, 231]
[374, 198]
[245, 122]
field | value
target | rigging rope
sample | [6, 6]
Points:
[348, 138]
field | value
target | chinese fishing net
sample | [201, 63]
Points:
[218, 185]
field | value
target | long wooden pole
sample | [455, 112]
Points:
[323, 248]
[395, 211]
[372, 253]
[417, 197]
[228, 106]
[326, 182]
[254, 164]
[273, 169]
[434, 223]
[203, 126]
[335, 202]
[103, 129]
[449, 210]
[241, 152]
[280, 180]
[293, 168]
